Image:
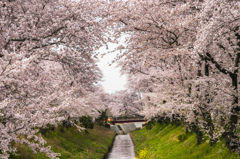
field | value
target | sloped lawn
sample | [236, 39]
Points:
[73, 144]
[162, 143]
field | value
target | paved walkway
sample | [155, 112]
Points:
[123, 148]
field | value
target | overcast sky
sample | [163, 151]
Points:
[113, 81]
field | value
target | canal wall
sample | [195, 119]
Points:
[123, 148]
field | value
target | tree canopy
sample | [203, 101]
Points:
[181, 58]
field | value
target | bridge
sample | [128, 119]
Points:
[124, 126]
[115, 122]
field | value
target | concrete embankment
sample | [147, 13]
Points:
[123, 148]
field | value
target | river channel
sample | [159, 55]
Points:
[123, 148]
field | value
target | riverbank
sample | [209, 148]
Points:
[162, 142]
[73, 144]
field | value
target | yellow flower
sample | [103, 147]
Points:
[144, 154]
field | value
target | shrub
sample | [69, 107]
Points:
[45, 130]
[87, 122]
[102, 117]
[150, 124]
[181, 137]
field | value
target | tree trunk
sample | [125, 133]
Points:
[207, 115]
[231, 139]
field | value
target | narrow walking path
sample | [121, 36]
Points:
[123, 148]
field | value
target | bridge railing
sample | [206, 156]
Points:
[129, 119]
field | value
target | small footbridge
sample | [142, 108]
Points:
[125, 126]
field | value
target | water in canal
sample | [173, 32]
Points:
[123, 148]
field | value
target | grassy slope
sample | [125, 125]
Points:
[162, 142]
[73, 144]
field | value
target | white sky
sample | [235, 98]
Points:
[113, 81]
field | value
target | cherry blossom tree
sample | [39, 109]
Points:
[183, 55]
[48, 72]
[181, 58]
[161, 34]
[218, 44]
[124, 103]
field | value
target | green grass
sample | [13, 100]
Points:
[73, 144]
[162, 143]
